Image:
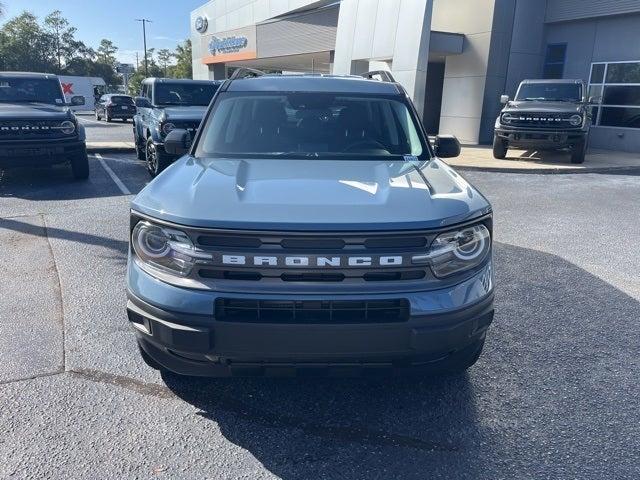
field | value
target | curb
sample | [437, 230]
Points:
[550, 170]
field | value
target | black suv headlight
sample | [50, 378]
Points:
[507, 118]
[163, 248]
[575, 120]
[457, 251]
[68, 127]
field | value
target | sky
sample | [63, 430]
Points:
[115, 20]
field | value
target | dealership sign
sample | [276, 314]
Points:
[232, 44]
[229, 46]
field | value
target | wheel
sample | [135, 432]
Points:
[97, 116]
[80, 166]
[578, 151]
[157, 161]
[500, 147]
[141, 154]
[149, 361]
[107, 117]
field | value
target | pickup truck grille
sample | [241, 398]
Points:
[30, 130]
[541, 120]
[311, 311]
[327, 258]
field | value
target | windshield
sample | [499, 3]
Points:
[122, 100]
[184, 93]
[302, 125]
[550, 92]
[30, 90]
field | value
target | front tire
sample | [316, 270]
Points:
[80, 166]
[157, 160]
[578, 152]
[107, 117]
[97, 116]
[500, 148]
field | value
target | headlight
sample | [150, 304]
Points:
[507, 118]
[456, 251]
[164, 248]
[575, 120]
[68, 127]
[167, 127]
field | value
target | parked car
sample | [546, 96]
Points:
[115, 106]
[37, 127]
[166, 104]
[309, 227]
[545, 115]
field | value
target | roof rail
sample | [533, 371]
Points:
[385, 75]
[244, 72]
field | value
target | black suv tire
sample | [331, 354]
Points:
[157, 160]
[500, 147]
[80, 166]
[578, 152]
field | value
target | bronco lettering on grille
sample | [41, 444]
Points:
[311, 261]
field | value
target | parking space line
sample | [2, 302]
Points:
[98, 122]
[113, 176]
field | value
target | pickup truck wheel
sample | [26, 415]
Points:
[578, 152]
[157, 161]
[80, 166]
[499, 148]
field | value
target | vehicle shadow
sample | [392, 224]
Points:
[556, 373]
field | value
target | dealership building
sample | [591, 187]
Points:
[454, 57]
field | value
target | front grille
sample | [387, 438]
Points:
[311, 311]
[30, 130]
[263, 257]
[541, 120]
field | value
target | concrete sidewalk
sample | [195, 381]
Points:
[99, 147]
[532, 161]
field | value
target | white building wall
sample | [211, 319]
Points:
[386, 34]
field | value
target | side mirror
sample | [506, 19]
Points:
[504, 99]
[142, 102]
[177, 142]
[446, 146]
[76, 100]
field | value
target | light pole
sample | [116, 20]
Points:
[144, 36]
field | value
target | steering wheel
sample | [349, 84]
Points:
[363, 144]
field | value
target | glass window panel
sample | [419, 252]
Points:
[595, 91]
[620, 117]
[621, 95]
[556, 53]
[623, 73]
[597, 73]
[553, 70]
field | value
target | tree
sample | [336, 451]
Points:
[106, 52]
[164, 57]
[183, 67]
[25, 46]
[63, 37]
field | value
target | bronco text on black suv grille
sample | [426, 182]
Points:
[309, 227]
[36, 125]
[545, 115]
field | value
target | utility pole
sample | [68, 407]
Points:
[144, 36]
[137, 63]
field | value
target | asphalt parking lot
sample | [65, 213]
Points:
[101, 131]
[553, 396]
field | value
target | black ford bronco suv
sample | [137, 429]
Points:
[545, 115]
[37, 127]
[163, 105]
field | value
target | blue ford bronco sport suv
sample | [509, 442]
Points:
[310, 227]
[165, 104]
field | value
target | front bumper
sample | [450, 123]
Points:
[540, 138]
[178, 329]
[39, 152]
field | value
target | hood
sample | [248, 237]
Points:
[267, 194]
[40, 111]
[547, 107]
[184, 114]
